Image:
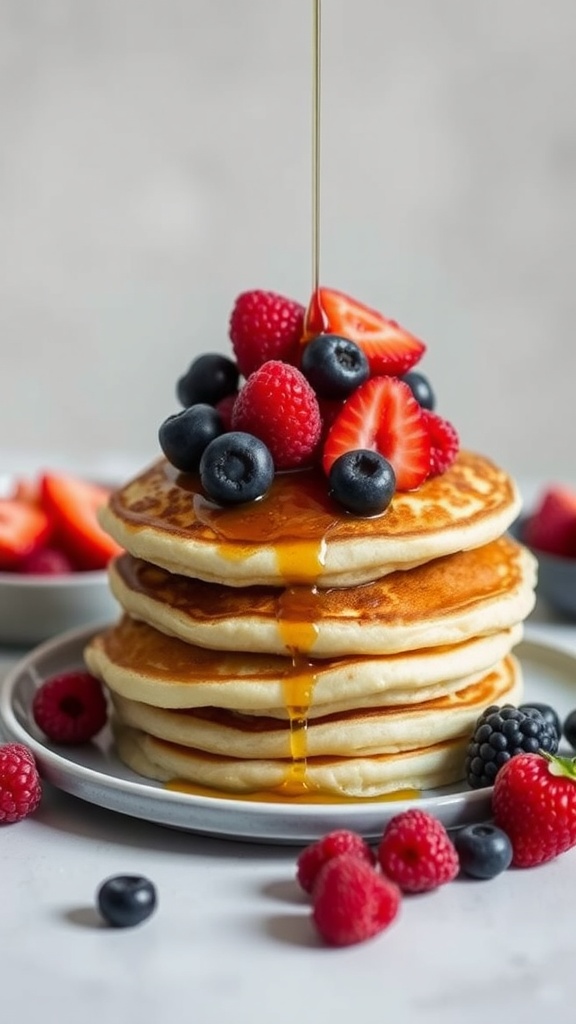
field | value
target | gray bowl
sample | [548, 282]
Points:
[556, 575]
[35, 608]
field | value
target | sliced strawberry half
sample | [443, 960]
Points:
[552, 526]
[387, 346]
[73, 506]
[383, 415]
[23, 529]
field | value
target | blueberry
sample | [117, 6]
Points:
[184, 436]
[126, 900]
[334, 366]
[208, 379]
[363, 481]
[569, 729]
[548, 714]
[484, 851]
[420, 388]
[236, 467]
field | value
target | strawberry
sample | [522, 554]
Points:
[534, 802]
[23, 529]
[265, 326]
[73, 505]
[552, 526]
[387, 346]
[383, 415]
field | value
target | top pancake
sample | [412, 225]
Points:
[297, 535]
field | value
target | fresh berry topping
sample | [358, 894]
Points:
[224, 409]
[484, 851]
[569, 729]
[362, 482]
[420, 387]
[73, 505]
[388, 347]
[46, 561]
[23, 528]
[534, 802]
[278, 405]
[20, 788]
[265, 326]
[383, 415]
[208, 379]
[126, 900]
[549, 714]
[314, 856]
[184, 436]
[501, 733]
[352, 902]
[334, 366]
[416, 852]
[70, 708]
[444, 442]
[552, 526]
[236, 467]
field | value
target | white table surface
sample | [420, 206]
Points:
[231, 939]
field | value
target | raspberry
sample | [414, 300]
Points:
[224, 408]
[265, 326]
[70, 708]
[279, 407]
[352, 902]
[20, 788]
[444, 442]
[313, 857]
[416, 852]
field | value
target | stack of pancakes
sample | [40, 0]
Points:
[285, 647]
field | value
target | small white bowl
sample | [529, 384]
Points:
[36, 608]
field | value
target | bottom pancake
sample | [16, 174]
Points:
[352, 778]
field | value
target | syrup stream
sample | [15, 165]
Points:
[316, 76]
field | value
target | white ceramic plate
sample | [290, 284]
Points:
[94, 773]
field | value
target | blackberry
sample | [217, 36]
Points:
[499, 734]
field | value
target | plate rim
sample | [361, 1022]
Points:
[271, 821]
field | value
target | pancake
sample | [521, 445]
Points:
[296, 535]
[446, 601]
[365, 777]
[351, 733]
[136, 661]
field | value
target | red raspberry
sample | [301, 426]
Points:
[314, 857]
[224, 407]
[278, 406]
[20, 788]
[416, 852]
[444, 442]
[352, 902]
[265, 326]
[70, 708]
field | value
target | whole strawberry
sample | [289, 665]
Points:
[534, 802]
[20, 787]
[264, 326]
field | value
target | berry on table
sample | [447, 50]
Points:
[416, 852]
[235, 468]
[444, 442]
[70, 707]
[334, 366]
[362, 481]
[20, 787]
[351, 901]
[184, 436]
[534, 802]
[388, 347]
[209, 378]
[278, 405]
[501, 733]
[265, 326]
[126, 900]
[484, 850]
[421, 389]
[313, 857]
[383, 415]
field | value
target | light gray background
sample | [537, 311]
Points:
[155, 161]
